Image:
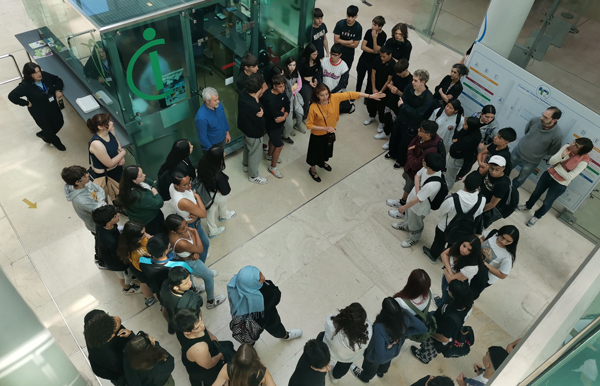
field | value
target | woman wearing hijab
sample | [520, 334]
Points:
[252, 302]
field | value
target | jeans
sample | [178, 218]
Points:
[526, 168]
[555, 189]
[200, 270]
[252, 154]
[219, 206]
[445, 296]
[205, 243]
[453, 166]
[369, 369]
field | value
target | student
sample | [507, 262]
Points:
[249, 66]
[140, 197]
[449, 119]
[489, 128]
[371, 45]
[400, 45]
[495, 189]
[188, 204]
[293, 86]
[418, 203]
[450, 87]
[105, 338]
[461, 263]
[499, 251]
[252, 296]
[401, 78]
[177, 159]
[347, 335]
[277, 109]
[106, 219]
[246, 369]
[417, 291]
[335, 71]
[463, 150]
[468, 197]
[542, 137]
[492, 361]
[430, 380]
[313, 365]
[319, 34]
[567, 163]
[199, 352]
[382, 71]
[178, 292]
[347, 32]
[390, 329]
[461, 306]
[251, 122]
[146, 363]
[312, 74]
[499, 146]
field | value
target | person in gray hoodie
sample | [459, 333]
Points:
[542, 137]
[85, 197]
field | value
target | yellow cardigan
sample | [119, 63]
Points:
[330, 112]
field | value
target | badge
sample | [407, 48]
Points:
[51, 99]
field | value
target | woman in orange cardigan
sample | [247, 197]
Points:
[323, 115]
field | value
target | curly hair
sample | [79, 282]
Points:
[99, 329]
[352, 322]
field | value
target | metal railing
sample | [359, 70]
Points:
[16, 66]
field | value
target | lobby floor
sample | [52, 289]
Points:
[325, 245]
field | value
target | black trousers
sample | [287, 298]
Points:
[370, 369]
[363, 68]
[50, 124]
[376, 108]
[400, 140]
[340, 369]
[439, 243]
[157, 224]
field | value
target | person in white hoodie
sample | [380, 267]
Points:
[347, 335]
[449, 119]
[85, 197]
[468, 198]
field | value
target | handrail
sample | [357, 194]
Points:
[16, 66]
[78, 34]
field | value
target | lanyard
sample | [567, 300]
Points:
[44, 89]
[105, 67]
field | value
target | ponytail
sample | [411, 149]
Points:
[98, 120]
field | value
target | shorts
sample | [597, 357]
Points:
[275, 137]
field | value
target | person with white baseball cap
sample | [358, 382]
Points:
[495, 189]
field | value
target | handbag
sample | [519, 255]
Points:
[226, 348]
[426, 318]
[244, 329]
[330, 136]
[198, 187]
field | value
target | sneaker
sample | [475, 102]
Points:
[413, 351]
[400, 226]
[258, 180]
[380, 375]
[427, 253]
[274, 171]
[150, 301]
[369, 120]
[398, 166]
[292, 134]
[300, 128]
[532, 221]
[231, 215]
[522, 208]
[245, 169]
[170, 329]
[394, 203]
[217, 301]
[393, 213]
[60, 146]
[356, 371]
[100, 264]
[331, 378]
[380, 128]
[214, 272]
[265, 147]
[288, 140]
[199, 288]
[218, 232]
[387, 155]
[294, 333]
[386, 146]
[408, 243]
[268, 158]
[381, 136]
[133, 289]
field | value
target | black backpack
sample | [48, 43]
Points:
[480, 281]
[441, 149]
[461, 344]
[463, 224]
[441, 195]
[511, 202]
[347, 107]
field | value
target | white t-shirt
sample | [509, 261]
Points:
[426, 192]
[176, 197]
[420, 304]
[445, 123]
[495, 256]
[332, 73]
[479, 378]
[469, 271]
[467, 201]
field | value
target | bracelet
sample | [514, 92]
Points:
[369, 97]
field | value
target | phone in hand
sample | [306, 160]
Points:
[61, 103]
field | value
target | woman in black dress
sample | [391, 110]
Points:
[246, 369]
[41, 91]
[312, 74]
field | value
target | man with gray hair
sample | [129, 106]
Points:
[211, 121]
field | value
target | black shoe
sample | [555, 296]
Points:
[387, 156]
[327, 167]
[170, 329]
[402, 202]
[314, 175]
[288, 140]
[380, 375]
[59, 146]
[100, 264]
[413, 351]
[427, 253]
[40, 134]
[398, 166]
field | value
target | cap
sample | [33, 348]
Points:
[497, 160]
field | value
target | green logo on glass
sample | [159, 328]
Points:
[149, 34]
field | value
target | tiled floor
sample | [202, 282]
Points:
[326, 245]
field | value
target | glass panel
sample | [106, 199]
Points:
[425, 17]
[279, 28]
[458, 23]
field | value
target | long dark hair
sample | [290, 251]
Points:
[210, 165]
[129, 240]
[246, 362]
[129, 191]
[179, 152]
[173, 222]
[286, 71]
[308, 51]
[474, 125]
[392, 318]
[513, 232]
[418, 284]
[29, 69]
[352, 322]
[473, 258]
[142, 354]
[314, 97]
[457, 107]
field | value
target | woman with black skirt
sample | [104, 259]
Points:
[323, 115]
[41, 91]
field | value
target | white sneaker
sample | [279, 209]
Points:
[258, 180]
[214, 272]
[133, 290]
[218, 232]
[294, 333]
[219, 299]
[522, 208]
[393, 213]
[200, 288]
[386, 146]
[268, 158]
[532, 221]
[400, 226]
[408, 243]
[394, 203]
[245, 169]
[274, 171]
[382, 136]
[369, 120]
[380, 128]
[231, 215]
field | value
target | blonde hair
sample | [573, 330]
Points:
[423, 75]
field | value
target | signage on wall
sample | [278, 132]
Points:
[149, 35]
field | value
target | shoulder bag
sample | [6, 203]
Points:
[330, 136]
[426, 318]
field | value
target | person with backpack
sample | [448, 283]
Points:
[492, 361]
[461, 261]
[501, 196]
[449, 119]
[392, 326]
[428, 185]
[416, 296]
[450, 319]
[459, 213]
[178, 292]
[463, 150]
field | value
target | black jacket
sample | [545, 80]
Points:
[411, 111]
[400, 50]
[455, 90]
[251, 125]
[41, 108]
[107, 360]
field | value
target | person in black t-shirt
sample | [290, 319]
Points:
[178, 292]
[399, 44]
[313, 365]
[382, 71]
[347, 32]
[499, 146]
[371, 45]
[495, 189]
[447, 316]
[319, 34]
[249, 66]
[430, 380]
[277, 109]
[400, 80]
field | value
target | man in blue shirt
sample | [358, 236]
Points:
[211, 121]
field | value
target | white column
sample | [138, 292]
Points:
[503, 23]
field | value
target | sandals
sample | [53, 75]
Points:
[327, 167]
[314, 175]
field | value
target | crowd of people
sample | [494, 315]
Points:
[427, 136]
